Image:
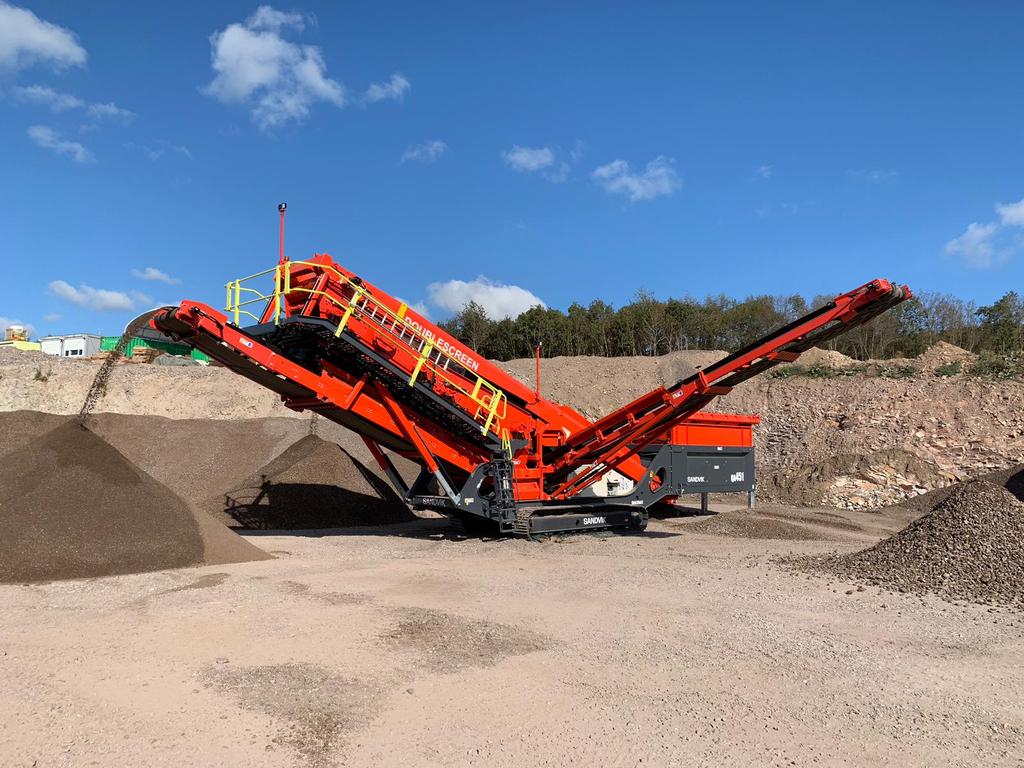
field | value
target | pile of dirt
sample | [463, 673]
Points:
[943, 354]
[1012, 479]
[855, 481]
[969, 547]
[72, 506]
[825, 358]
[313, 484]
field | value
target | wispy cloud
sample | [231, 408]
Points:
[542, 160]
[154, 274]
[392, 90]
[876, 175]
[657, 179]
[528, 159]
[100, 299]
[110, 111]
[159, 148]
[52, 317]
[280, 80]
[25, 39]
[48, 138]
[45, 96]
[765, 171]
[425, 152]
[498, 300]
[986, 245]
[55, 101]
[1011, 214]
[975, 245]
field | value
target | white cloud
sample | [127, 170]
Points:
[25, 39]
[281, 80]
[657, 178]
[983, 245]
[765, 171]
[498, 300]
[975, 245]
[48, 138]
[266, 17]
[394, 89]
[110, 111]
[56, 101]
[47, 97]
[427, 152]
[154, 274]
[52, 317]
[1011, 214]
[543, 160]
[528, 159]
[94, 298]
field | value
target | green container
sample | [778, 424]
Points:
[108, 343]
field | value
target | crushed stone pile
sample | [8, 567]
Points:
[1012, 479]
[72, 506]
[855, 481]
[942, 354]
[312, 484]
[969, 547]
[825, 358]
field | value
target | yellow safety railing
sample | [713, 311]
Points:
[491, 402]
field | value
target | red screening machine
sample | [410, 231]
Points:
[491, 451]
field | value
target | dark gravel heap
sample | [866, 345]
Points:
[969, 547]
[313, 484]
[72, 506]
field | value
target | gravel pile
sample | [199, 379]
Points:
[969, 547]
[313, 484]
[72, 506]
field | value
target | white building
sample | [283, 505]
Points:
[73, 345]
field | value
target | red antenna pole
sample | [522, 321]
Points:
[281, 209]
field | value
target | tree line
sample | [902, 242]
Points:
[649, 326]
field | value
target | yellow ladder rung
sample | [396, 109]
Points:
[427, 347]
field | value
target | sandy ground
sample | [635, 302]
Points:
[411, 646]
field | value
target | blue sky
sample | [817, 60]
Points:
[566, 151]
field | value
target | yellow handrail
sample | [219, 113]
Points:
[492, 403]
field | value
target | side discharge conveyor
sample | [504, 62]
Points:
[491, 451]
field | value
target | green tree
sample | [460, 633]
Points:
[1001, 324]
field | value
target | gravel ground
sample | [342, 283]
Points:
[413, 646]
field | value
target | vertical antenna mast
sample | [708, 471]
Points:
[281, 209]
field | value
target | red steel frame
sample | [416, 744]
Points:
[558, 451]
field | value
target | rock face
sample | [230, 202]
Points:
[969, 547]
[855, 481]
[72, 506]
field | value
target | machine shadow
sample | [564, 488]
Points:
[305, 506]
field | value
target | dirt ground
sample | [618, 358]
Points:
[409, 645]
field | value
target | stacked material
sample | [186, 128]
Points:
[969, 547]
[72, 506]
[313, 484]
